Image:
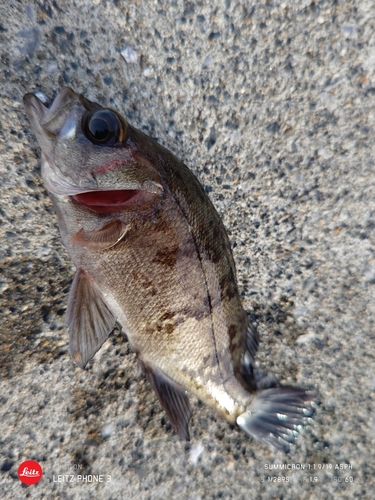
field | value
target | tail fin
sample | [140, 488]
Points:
[276, 416]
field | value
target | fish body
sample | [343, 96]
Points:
[152, 254]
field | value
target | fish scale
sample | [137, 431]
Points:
[152, 254]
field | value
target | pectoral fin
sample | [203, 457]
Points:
[173, 400]
[88, 318]
[101, 239]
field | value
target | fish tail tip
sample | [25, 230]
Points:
[276, 416]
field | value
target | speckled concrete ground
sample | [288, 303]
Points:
[272, 106]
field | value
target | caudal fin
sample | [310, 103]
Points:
[276, 416]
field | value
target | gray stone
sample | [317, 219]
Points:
[275, 99]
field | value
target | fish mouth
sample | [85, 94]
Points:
[111, 201]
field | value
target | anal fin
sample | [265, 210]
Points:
[173, 400]
[88, 318]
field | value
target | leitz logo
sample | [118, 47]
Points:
[30, 472]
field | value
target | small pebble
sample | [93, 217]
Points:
[130, 55]
[195, 452]
[108, 430]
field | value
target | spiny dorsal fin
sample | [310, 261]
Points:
[173, 400]
[88, 318]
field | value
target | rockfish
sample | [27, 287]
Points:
[152, 254]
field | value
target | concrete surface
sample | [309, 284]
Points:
[272, 106]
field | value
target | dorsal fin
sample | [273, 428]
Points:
[88, 318]
[250, 347]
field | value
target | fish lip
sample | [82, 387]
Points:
[147, 187]
[71, 190]
[31, 100]
[58, 186]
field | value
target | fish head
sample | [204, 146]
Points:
[91, 155]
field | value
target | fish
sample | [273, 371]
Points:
[152, 255]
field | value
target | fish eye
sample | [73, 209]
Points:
[102, 127]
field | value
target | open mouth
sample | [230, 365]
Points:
[105, 202]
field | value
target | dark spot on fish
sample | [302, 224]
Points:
[166, 256]
[227, 279]
[149, 331]
[188, 250]
[232, 332]
[158, 328]
[224, 282]
[199, 315]
[231, 291]
[205, 360]
[206, 302]
[177, 175]
[228, 286]
[167, 315]
[145, 283]
[169, 328]
[216, 233]
[163, 225]
[148, 285]
[216, 254]
[247, 380]
[165, 324]
[209, 361]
